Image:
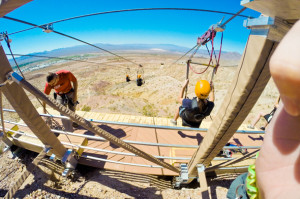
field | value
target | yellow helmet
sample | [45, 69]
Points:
[202, 89]
[139, 76]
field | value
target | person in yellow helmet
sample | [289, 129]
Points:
[193, 111]
[139, 80]
[127, 78]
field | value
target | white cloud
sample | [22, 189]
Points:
[158, 49]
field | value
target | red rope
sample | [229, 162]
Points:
[212, 47]
[217, 66]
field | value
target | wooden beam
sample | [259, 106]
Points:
[6, 6]
[273, 28]
[286, 9]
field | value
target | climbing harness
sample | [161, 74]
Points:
[208, 36]
[252, 189]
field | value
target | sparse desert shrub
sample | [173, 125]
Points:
[86, 108]
[113, 108]
[148, 110]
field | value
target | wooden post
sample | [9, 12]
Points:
[10, 5]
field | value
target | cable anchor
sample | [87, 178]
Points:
[218, 27]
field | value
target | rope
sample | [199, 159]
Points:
[212, 40]
[209, 53]
[187, 76]
[218, 61]
[128, 10]
[31, 24]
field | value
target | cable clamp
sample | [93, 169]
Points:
[47, 28]
[218, 27]
[183, 178]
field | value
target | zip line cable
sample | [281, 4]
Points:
[129, 10]
[8, 45]
[50, 57]
[96, 47]
[31, 24]
[237, 14]
[184, 55]
[211, 55]
[222, 25]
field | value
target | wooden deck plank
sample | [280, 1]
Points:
[166, 136]
[110, 116]
[105, 117]
[100, 116]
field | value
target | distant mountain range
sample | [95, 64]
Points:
[121, 49]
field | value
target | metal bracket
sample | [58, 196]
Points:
[206, 37]
[200, 168]
[184, 176]
[7, 143]
[3, 35]
[52, 157]
[218, 27]
[260, 21]
[272, 28]
[14, 77]
[70, 162]
[47, 149]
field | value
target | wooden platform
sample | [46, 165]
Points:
[141, 134]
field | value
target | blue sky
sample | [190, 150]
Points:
[142, 27]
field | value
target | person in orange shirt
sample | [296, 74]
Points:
[65, 93]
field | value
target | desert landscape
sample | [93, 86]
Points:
[103, 88]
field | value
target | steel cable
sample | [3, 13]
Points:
[31, 24]
[130, 10]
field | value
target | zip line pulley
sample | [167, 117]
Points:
[209, 35]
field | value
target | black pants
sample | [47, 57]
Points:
[67, 100]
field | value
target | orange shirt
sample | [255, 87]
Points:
[64, 83]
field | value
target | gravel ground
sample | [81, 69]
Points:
[88, 182]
